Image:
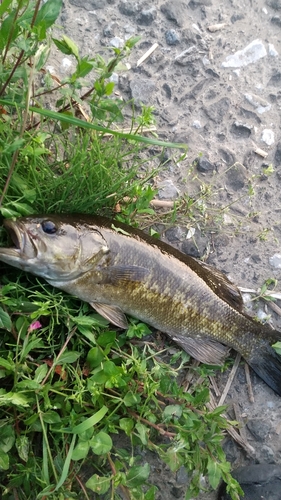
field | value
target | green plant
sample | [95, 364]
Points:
[70, 385]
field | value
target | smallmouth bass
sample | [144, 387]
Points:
[120, 270]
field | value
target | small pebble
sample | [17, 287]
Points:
[172, 37]
[250, 54]
[66, 64]
[167, 190]
[114, 78]
[196, 124]
[272, 51]
[204, 165]
[268, 136]
[116, 42]
[275, 260]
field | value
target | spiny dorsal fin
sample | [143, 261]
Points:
[221, 286]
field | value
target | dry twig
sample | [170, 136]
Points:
[147, 53]
[230, 379]
[249, 383]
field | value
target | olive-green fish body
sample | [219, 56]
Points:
[120, 270]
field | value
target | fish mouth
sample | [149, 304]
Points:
[21, 241]
[15, 236]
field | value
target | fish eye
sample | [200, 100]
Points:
[49, 227]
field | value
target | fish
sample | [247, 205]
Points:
[120, 271]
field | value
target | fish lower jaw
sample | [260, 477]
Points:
[11, 256]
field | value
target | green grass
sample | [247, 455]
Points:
[71, 384]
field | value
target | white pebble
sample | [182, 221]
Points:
[206, 61]
[250, 54]
[272, 50]
[275, 261]
[196, 124]
[114, 78]
[116, 42]
[66, 64]
[261, 315]
[51, 69]
[268, 136]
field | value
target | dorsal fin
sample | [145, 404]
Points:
[221, 285]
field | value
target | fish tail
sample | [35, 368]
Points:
[265, 361]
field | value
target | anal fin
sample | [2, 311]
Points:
[112, 313]
[204, 350]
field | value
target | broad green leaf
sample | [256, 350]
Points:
[48, 13]
[9, 30]
[277, 347]
[8, 212]
[13, 398]
[51, 417]
[151, 493]
[4, 460]
[7, 437]
[41, 57]
[5, 321]
[143, 432]
[95, 357]
[93, 320]
[172, 458]
[81, 450]
[85, 330]
[106, 338]
[7, 364]
[218, 410]
[28, 384]
[101, 443]
[109, 88]
[22, 208]
[98, 484]
[22, 445]
[29, 344]
[202, 396]
[137, 476]
[13, 146]
[172, 411]
[67, 46]
[214, 473]
[131, 399]
[68, 357]
[126, 424]
[4, 6]
[91, 421]
[41, 372]
[83, 68]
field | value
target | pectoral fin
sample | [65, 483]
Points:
[112, 313]
[204, 350]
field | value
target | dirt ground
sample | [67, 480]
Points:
[226, 106]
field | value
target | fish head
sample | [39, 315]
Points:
[53, 247]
